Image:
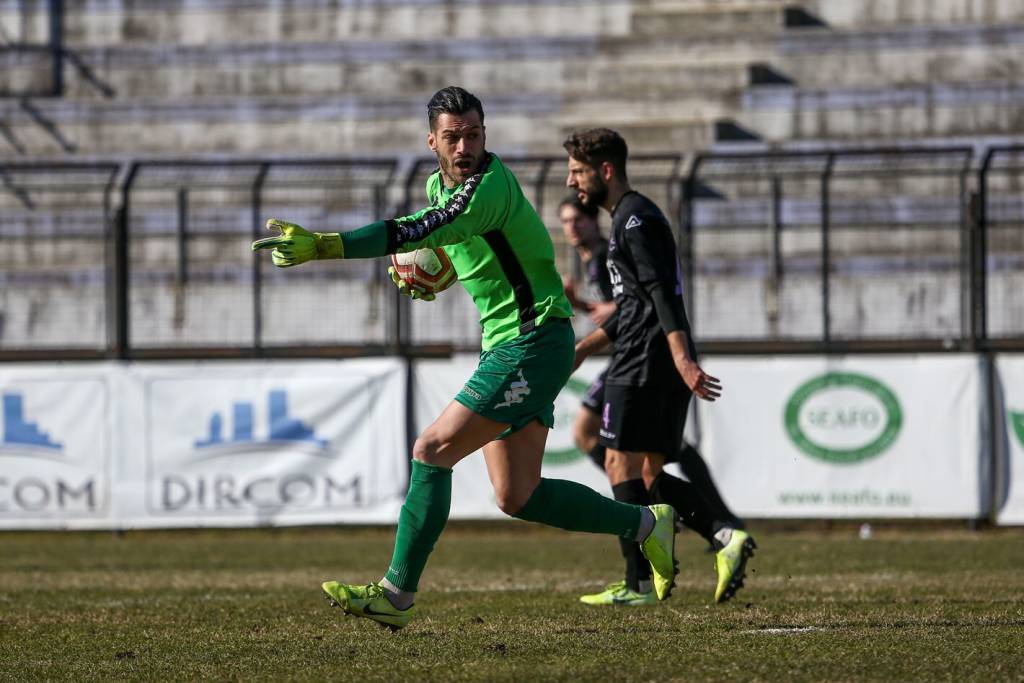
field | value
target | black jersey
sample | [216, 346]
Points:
[597, 272]
[642, 255]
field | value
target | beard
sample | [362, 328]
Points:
[453, 173]
[595, 196]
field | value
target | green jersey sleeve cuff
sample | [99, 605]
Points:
[368, 241]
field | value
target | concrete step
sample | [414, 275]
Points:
[266, 22]
[814, 42]
[220, 78]
[901, 67]
[845, 14]
[787, 114]
[706, 18]
[338, 126]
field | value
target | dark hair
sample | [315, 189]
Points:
[588, 210]
[596, 146]
[453, 100]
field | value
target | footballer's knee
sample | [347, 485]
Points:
[621, 466]
[511, 499]
[651, 469]
[427, 449]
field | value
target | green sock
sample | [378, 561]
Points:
[572, 506]
[420, 523]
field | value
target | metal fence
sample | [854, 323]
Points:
[55, 267]
[998, 259]
[829, 251]
[30, 65]
[830, 248]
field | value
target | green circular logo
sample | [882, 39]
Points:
[564, 456]
[843, 417]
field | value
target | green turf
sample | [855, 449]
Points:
[500, 603]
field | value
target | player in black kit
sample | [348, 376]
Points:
[594, 297]
[653, 371]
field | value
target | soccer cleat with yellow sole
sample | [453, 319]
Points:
[367, 601]
[620, 594]
[731, 564]
[660, 550]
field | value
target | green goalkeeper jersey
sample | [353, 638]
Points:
[500, 249]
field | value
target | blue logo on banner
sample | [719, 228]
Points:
[18, 431]
[282, 427]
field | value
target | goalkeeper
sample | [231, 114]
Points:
[505, 259]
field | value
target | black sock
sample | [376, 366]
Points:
[637, 567]
[693, 510]
[597, 455]
[696, 470]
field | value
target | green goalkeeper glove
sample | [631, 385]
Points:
[411, 291]
[297, 245]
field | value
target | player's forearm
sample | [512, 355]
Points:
[368, 241]
[591, 344]
[668, 306]
[678, 345]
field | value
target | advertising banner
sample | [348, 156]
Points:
[1010, 436]
[855, 437]
[113, 445]
[203, 444]
[436, 384]
[55, 464]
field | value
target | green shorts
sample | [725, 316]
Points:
[517, 382]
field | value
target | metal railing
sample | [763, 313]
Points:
[805, 246]
[918, 249]
[35, 68]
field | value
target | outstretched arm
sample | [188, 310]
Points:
[478, 206]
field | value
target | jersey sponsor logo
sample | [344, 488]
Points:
[633, 222]
[517, 392]
[472, 394]
[615, 278]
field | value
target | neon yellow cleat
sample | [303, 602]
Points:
[731, 564]
[619, 594]
[367, 601]
[660, 550]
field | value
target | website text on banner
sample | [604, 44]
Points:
[848, 437]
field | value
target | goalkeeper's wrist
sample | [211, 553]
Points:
[329, 245]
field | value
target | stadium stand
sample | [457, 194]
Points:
[213, 79]
[264, 76]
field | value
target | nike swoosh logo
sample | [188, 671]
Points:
[367, 610]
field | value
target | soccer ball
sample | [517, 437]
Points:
[429, 270]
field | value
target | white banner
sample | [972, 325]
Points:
[436, 384]
[111, 445]
[863, 436]
[1010, 374]
[202, 444]
[55, 462]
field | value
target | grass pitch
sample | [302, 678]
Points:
[499, 603]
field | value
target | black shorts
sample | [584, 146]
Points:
[593, 400]
[644, 419]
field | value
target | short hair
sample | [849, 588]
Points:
[588, 210]
[453, 100]
[596, 146]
